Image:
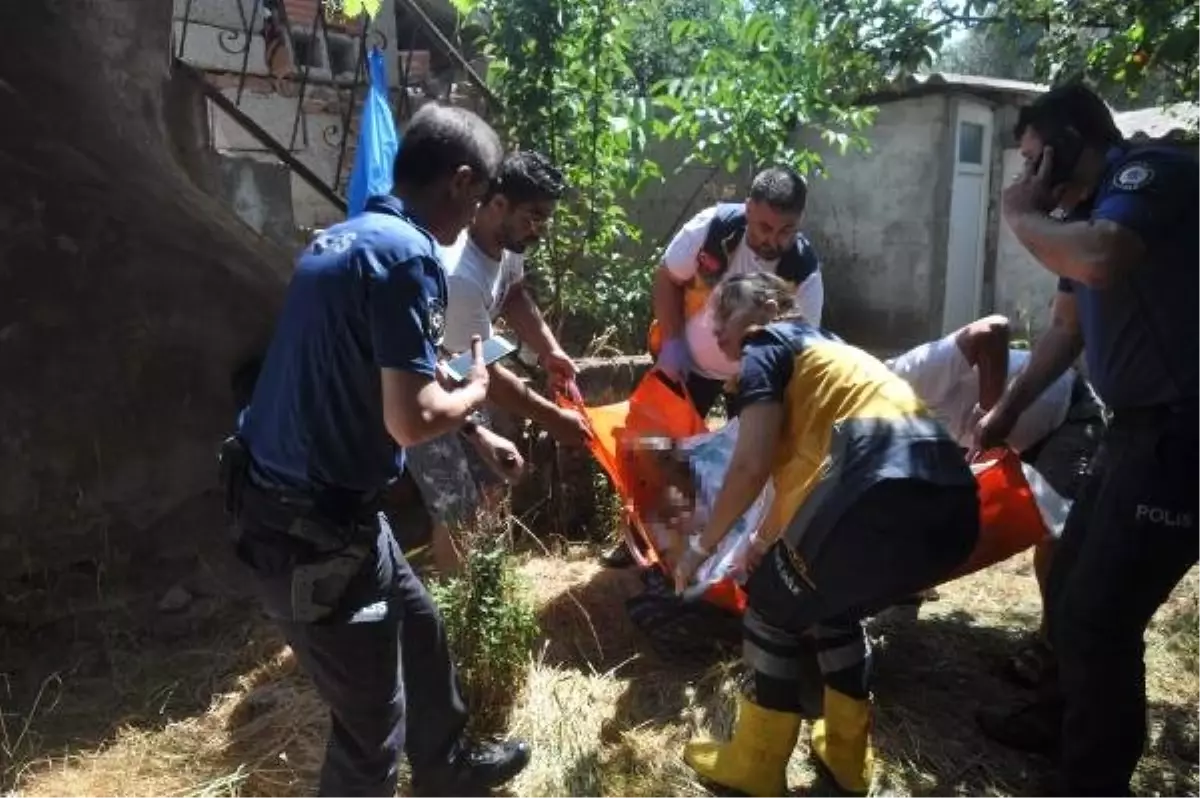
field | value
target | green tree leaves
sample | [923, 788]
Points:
[788, 64]
[1136, 53]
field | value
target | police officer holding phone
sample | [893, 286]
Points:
[1117, 224]
[350, 376]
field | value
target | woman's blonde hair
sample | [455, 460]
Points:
[745, 291]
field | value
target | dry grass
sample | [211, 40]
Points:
[608, 718]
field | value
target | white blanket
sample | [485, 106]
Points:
[709, 455]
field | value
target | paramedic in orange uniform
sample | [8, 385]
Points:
[761, 234]
[873, 501]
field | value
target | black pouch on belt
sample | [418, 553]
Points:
[233, 462]
[320, 581]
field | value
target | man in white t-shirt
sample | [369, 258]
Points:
[761, 234]
[961, 376]
[485, 273]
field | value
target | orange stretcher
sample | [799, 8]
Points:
[1010, 521]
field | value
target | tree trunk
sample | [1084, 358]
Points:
[129, 295]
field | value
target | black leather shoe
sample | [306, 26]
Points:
[1035, 728]
[478, 769]
[619, 556]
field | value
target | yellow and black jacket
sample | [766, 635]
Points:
[849, 423]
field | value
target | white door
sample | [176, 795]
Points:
[968, 214]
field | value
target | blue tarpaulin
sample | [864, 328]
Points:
[377, 139]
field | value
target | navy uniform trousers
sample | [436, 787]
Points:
[1129, 540]
[803, 628]
[381, 662]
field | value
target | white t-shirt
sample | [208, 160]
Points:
[476, 288]
[943, 379]
[680, 259]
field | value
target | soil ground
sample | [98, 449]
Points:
[165, 680]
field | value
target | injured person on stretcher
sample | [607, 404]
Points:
[689, 472]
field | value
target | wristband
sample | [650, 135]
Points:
[695, 548]
[472, 423]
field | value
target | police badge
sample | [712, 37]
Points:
[435, 321]
[1133, 176]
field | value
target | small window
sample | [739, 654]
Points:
[343, 51]
[308, 51]
[970, 143]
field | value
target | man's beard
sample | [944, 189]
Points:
[519, 247]
[767, 253]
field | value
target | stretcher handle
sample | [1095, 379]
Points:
[988, 456]
[679, 388]
[572, 399]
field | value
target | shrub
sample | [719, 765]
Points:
[490, 621]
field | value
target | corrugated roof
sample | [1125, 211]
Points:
[914, 85]
[1180, 121]
[980, 82]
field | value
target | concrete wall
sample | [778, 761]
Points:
[211, 22]
[273, 105]
[661, 207]
[317, 143]
[261, 195]
[878, 220]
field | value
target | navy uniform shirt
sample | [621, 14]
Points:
[367, 294]
[1139, 332]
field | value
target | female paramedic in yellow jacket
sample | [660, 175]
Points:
[873, 501]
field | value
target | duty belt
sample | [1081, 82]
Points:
[297, 515]
[1152, 415]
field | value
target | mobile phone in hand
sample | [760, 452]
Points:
[494, 349]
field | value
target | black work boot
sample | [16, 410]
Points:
[619, 556]
[1035, 728]
[477, 769]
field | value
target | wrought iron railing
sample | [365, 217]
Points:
[305, 54]
[296, 58]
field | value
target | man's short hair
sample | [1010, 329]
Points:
[1072, 105]
[782, 188]
[527, 176]
[441, 138]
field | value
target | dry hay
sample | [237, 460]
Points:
[607, 718]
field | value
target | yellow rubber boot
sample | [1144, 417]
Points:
[841, 742]
[755, 760]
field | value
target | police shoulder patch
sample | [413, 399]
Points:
[325, 241]
[436, 321]
[1133, 176]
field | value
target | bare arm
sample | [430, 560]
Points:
[668, 303]
[758, 434]
[416, 408]
[1052, 355]
[1094, 253]
[984, 344]
[508, 391]
[526, 319]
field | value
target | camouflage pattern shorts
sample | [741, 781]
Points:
[451, 477]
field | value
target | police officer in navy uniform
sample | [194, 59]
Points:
[350, 375]
[1124, 250]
